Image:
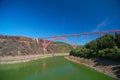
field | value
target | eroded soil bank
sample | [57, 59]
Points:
[110, 70]
[16, 59]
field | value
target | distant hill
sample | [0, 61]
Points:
[20, 45]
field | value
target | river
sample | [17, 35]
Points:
[52, 68]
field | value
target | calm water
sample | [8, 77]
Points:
[54, 68]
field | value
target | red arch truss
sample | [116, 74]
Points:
[46, 43]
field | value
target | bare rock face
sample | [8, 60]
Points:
[15, 46]
[10, 45]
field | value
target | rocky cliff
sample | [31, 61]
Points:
[19, 45]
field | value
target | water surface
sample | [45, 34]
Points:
[54, 68]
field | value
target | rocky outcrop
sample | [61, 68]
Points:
[18, 45]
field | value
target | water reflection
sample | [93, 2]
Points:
[55, 68]
[44, 67]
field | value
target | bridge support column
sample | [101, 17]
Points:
[37, 40]
[100, 34]
[44, 47]
[87, 37]
[44, 51]
[75, 43]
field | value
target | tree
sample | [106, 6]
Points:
[117, 39]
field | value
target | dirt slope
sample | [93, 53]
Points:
[19, 45]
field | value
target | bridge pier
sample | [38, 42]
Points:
[44, 51]
[46, 42]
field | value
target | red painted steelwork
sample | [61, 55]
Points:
[64, 37]
[46, 44]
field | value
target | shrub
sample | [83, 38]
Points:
[113, 53]
[108, 46]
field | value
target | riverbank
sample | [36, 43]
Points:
[105, 69]
[18, 59]
[52, 68]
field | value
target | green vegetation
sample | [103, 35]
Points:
[59, 47]
[108, 46]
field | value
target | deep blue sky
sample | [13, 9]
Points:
[38, 18]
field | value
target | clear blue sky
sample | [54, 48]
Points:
[38, 18]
